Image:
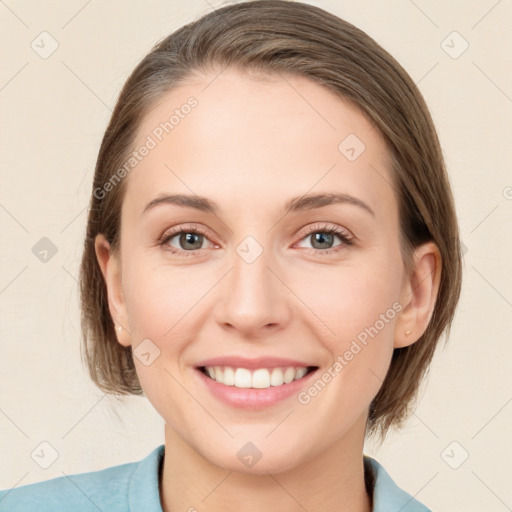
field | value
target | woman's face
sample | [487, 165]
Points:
[263, 278]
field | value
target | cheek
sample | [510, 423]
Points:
[157, 297]
[166, 305]
[355, 311]
[346, 300]
[160, 306]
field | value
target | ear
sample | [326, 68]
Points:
[111, 269]
[418, 295]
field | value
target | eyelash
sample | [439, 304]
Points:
[323, 228]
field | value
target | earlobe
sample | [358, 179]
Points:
[111, 270]
[419, 295]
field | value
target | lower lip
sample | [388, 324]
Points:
[253, 398]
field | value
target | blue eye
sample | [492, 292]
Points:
[325, 235]
[190, 239]
[187, 236]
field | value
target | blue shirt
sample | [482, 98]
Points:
[133, 487]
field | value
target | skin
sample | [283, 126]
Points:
[252, 143]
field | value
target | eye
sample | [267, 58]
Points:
[322, 237]
[189, 239]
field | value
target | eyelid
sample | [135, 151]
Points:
[344, 234]
[320, 226]
[183, 228]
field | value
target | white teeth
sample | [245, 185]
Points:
[229, 376]
[242, 378]
[276, 379]
[289, 375]
[261, 378]
[301, 372]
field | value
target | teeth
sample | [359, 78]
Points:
[289, 375]
[261, 378]
[300, 373]
[276, 379]
[229, 376]
[242, 378]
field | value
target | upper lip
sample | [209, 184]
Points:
[255, 363]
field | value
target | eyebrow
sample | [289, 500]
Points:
[300, 203]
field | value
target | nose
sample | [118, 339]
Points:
[254, 298]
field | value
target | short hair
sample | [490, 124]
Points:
[274, 36]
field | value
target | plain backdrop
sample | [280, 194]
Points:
[454, 452]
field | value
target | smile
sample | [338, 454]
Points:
[260, 378]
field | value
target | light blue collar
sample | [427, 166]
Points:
[144, 492]
[387, 496]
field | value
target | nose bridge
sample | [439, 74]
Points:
[252, 253]
[254, 297]
[251, 277]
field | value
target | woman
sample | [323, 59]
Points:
[271, 258]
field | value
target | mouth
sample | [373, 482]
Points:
[260, 378]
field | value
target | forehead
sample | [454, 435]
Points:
[241, 138]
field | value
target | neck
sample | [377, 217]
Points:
[331, 480]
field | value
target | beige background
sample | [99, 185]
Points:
[54, 112]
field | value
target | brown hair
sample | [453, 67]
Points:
[272, 36]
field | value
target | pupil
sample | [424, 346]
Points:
[321, 237]
[188, 238]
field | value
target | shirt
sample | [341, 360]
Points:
[134, 487]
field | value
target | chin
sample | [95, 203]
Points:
[263, 466]
[258, 458]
